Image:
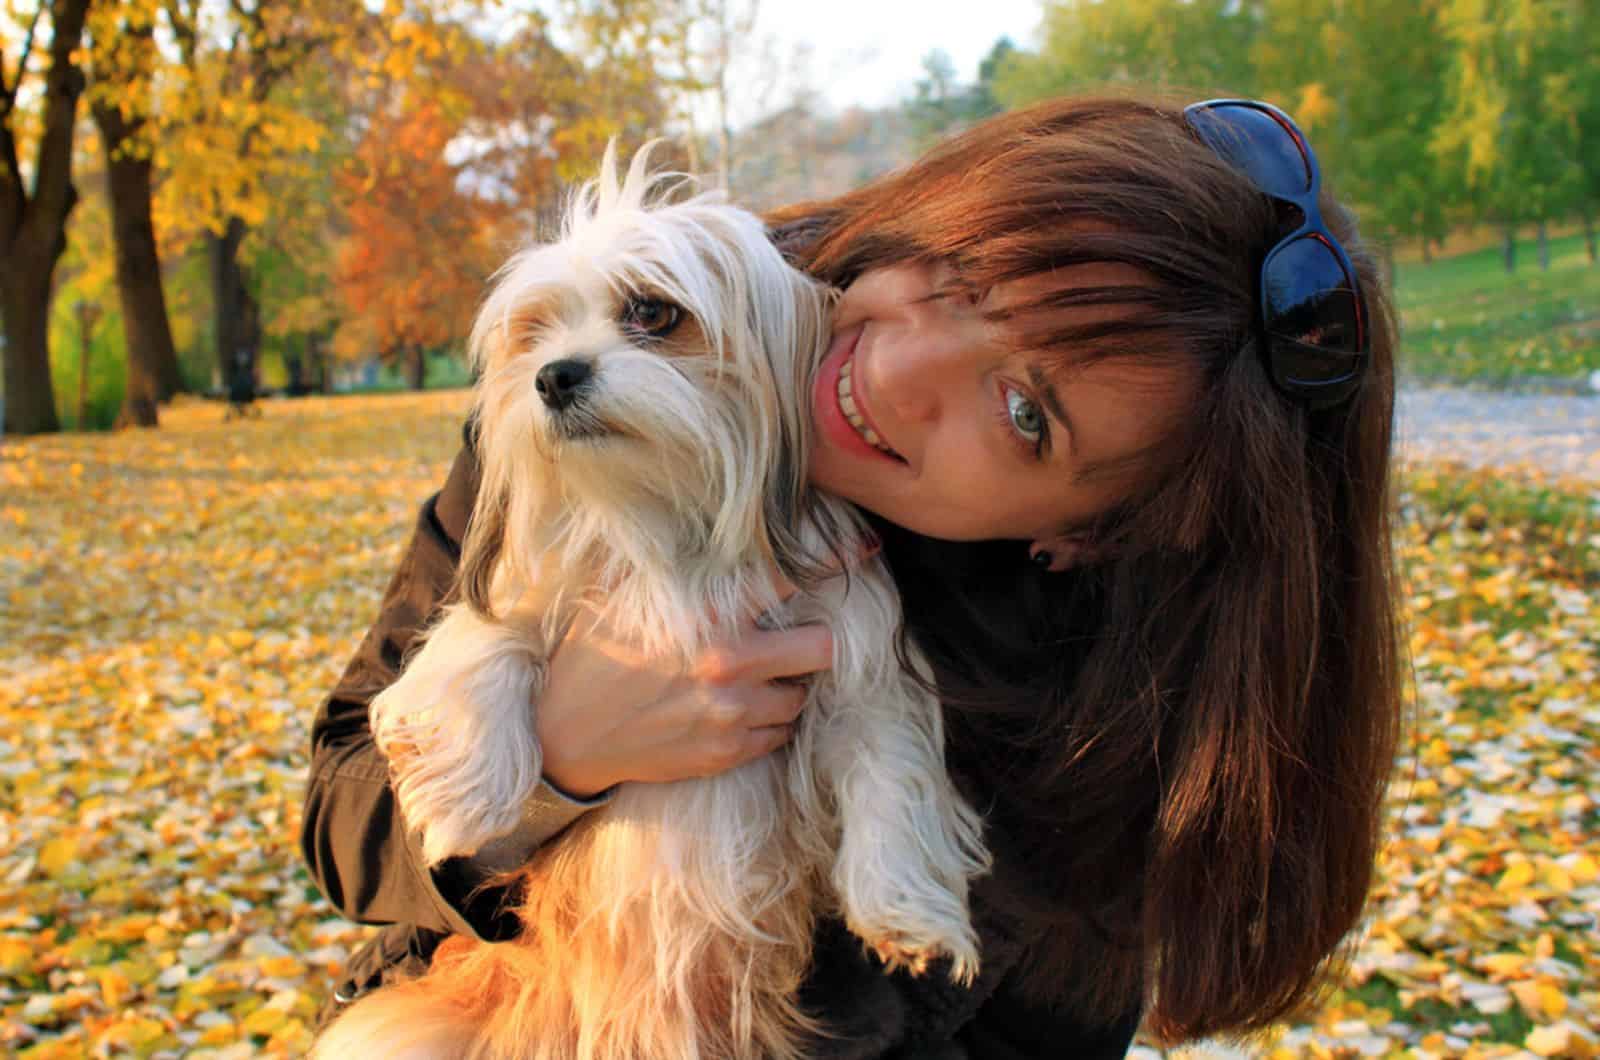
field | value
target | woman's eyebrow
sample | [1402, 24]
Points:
[1052, 403]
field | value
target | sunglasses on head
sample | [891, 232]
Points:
[1313, 315]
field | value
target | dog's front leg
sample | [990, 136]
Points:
[908, 843]
[457, 728]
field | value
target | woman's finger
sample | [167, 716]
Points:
[768, 738]
[796, 652]
[774, 705]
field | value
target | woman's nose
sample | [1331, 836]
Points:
[910, 376]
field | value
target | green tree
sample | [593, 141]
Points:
[1364, 79]
[1511, 126]
[940, 103]
[1583, 44]
[1200, 46]
[1393, 73]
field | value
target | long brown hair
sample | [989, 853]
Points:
[1183, 747]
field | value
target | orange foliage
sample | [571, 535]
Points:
[413, 267]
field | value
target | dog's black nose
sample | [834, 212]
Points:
[558, 382]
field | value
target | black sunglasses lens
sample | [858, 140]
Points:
[1255, 141]
[1311, 304]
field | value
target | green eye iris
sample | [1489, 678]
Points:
[651, 317]
[1025, 416]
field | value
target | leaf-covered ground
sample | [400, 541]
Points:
[173, 604]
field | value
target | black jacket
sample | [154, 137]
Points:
[370, 867]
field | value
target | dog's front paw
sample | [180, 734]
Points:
[899, 949]
[459, 794]
[461, 825]
[457, 730]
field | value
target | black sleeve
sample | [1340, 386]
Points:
[367, 863]
[1009, 1027]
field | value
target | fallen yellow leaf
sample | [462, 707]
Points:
[58, 855]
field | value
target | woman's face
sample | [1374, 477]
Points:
[984, 444]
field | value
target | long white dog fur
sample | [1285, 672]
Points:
[675, 922]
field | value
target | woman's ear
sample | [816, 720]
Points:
[1065, 551]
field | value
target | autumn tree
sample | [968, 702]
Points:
[470, 158]
[231, 131]
[33, 215]
[413, 267]
[125, 60]
[621, 51]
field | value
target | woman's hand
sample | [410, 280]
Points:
[608, 713]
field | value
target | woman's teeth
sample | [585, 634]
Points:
[847, 402]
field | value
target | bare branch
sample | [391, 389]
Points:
[184, 29]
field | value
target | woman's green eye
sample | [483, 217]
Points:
[1025, 416]
[651, 317]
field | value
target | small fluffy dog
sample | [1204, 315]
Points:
[644, 410]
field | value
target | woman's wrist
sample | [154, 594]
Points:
[573, 780]
[548, 812]
[579, 792]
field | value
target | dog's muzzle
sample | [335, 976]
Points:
[560, 383]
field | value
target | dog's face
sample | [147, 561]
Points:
[611, 382]
[649, 371]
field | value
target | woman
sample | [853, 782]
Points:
[1116, 383]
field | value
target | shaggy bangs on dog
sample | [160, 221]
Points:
[692, 254]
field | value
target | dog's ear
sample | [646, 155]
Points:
[790, 504]
[480, 552]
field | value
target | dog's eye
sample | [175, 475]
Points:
[651, 317]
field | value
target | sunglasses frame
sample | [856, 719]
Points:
[1281, 352]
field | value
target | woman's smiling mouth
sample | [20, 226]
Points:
[854, 414]
[840, 414]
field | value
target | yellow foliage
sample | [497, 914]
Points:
[1315, 106]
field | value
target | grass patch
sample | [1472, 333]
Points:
[1465, 319]
[1378, 994]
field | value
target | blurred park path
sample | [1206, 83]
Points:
[1558, 434]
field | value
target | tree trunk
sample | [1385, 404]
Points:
[418, 367]
[30, 398]
[153, 374]
[318, 363]
[33, 228]
[1509, 248]
[294, 367]
[142, 393]
[1544, 246]
[1427, 250]
[233, 315]
[1588, 233]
